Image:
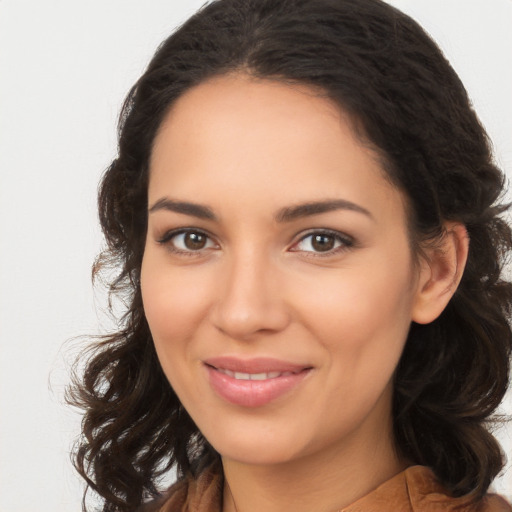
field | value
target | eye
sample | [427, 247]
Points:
[187, 241]
[323, 242]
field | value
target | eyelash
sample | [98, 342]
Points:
[344, 242]
[167, 240]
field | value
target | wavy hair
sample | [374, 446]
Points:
[408, 103]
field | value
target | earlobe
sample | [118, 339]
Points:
[440, 273]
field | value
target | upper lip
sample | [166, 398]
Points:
[254, 365]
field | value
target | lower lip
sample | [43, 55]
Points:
[253, 393]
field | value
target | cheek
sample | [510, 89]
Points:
[363, 326]
[174, 302]
[174, 305]
[362, 314]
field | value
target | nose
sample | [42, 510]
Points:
[251, 299]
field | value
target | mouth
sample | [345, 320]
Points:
[253, 376]
[254, 382]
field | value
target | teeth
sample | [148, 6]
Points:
[264, 376]
[253, 376]
[242, 376]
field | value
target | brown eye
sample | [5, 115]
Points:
[188, 241]
[195, 241]
[325, 242]
[322, 243]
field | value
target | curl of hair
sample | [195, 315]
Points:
[406, 101]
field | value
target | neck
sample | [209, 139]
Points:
[324, 482]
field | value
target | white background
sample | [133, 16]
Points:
[65, 67]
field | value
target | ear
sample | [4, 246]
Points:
[441, 270]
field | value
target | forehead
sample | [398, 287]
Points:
[283, 143]
[237, 110]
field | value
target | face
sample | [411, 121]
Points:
[277, 278]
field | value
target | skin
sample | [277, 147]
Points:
[249, 151]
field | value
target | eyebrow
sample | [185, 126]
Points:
[286, 214]
[194, 209]
[291, 213]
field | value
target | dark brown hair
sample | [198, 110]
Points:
[382, 69]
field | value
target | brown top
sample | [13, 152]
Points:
[414, 490]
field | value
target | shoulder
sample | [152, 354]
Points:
[199, 494]
[495, 503]
[428, 495]
[417, 490]
[172, 501]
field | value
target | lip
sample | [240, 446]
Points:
[284, 377]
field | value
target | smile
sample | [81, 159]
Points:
[255, 382]
[253, 376]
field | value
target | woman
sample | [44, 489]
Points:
[305, 215]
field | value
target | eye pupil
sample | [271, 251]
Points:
[195, 241]
[322, 243]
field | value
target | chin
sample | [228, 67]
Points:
[257, 454]
[255, 448]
